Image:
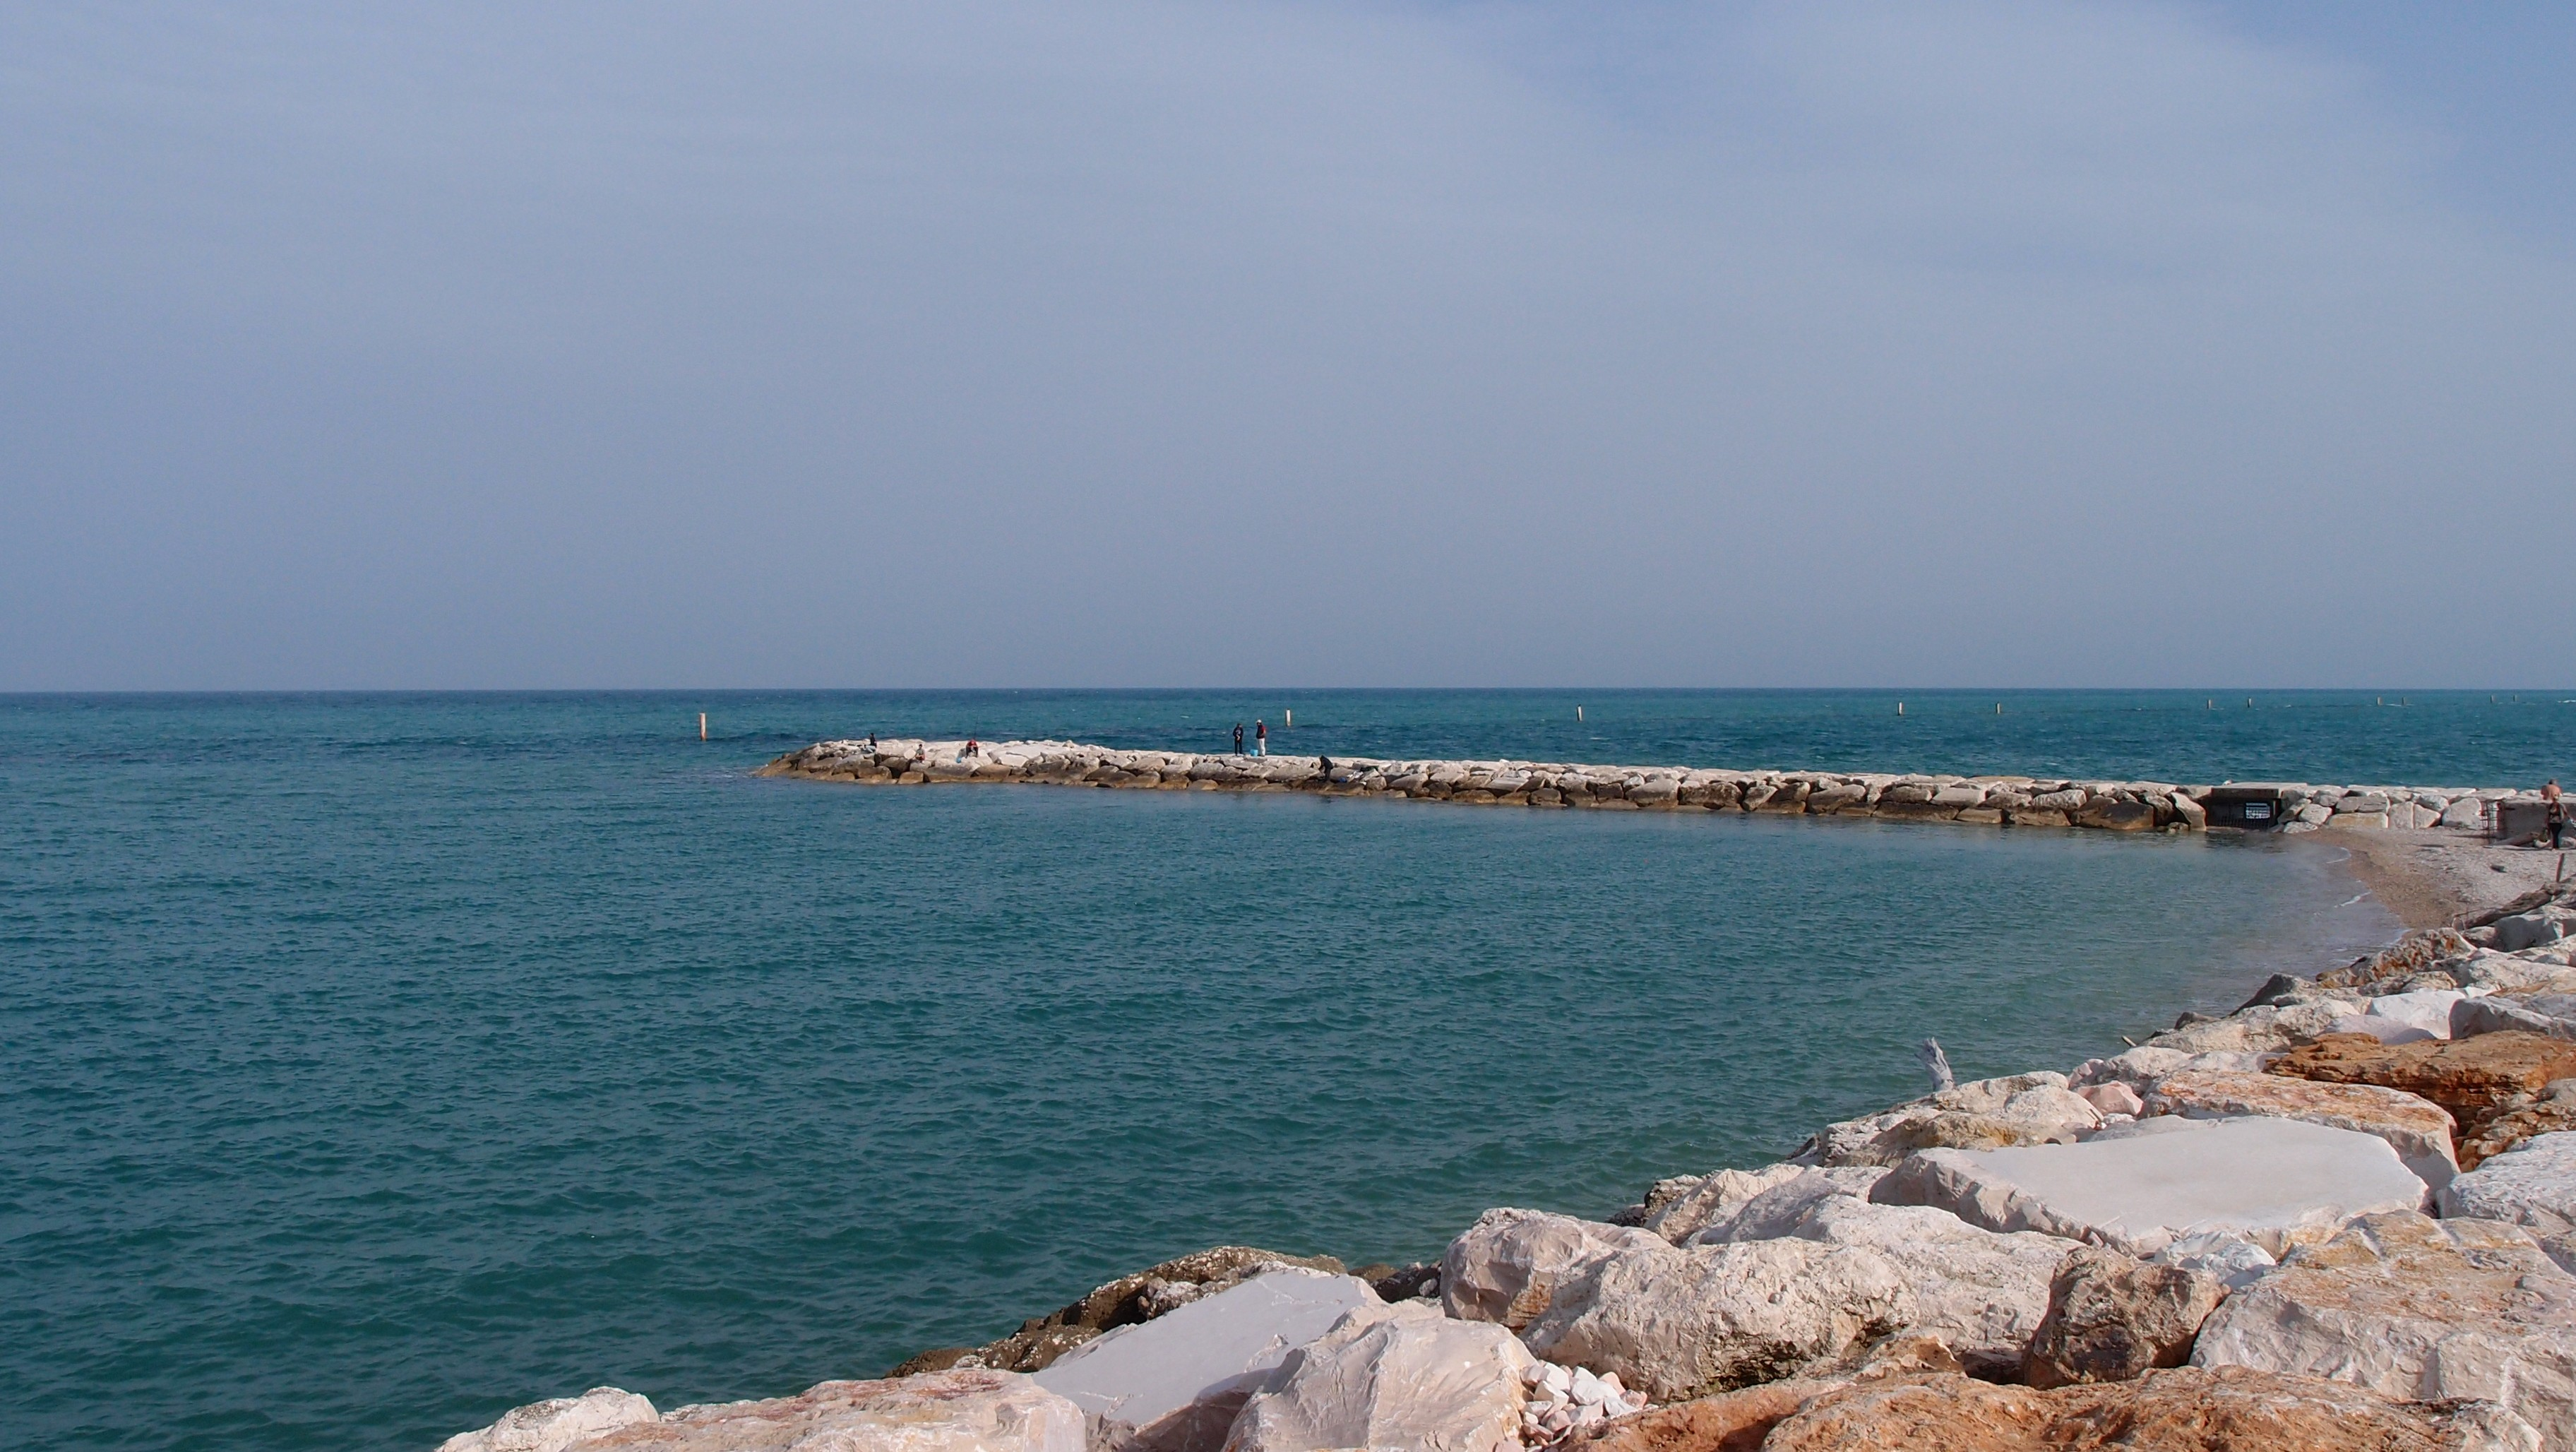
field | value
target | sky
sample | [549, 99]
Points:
[1138, 344]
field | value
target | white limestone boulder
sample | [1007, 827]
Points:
[1982, 1114]
[2528, 930]
[1695, 1204]
[2418, 1310]
[2236, 1261]
[941, 1411]
[2552, 1015]
[2137, 1188]
[2138, 1068]
[1511, 1263]
[2428, 1009]
[2261, 1029]
[1175, 1383]
[1677, 1323]
[2533, 1184]
[1402, 1376]
[1982, 1293]
[1778, 1210]
[556, 1424]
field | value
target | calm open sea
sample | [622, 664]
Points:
[370, 1064]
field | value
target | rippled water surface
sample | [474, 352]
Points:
[371, 1064]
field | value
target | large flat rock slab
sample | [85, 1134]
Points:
[2416, 1309]
[1393, 1376]
[2418, 1129]
[2277, 1182]
[1175, 1383]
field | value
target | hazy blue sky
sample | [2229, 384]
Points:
[1066, 344]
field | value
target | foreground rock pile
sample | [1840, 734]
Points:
[2119, 806]
[2343, 1217]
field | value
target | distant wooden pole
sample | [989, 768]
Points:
[702, 725]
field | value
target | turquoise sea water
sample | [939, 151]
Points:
[369, 1064]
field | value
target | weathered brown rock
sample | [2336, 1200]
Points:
[1122, 1302]
[2553, 1113]
[1735, 1421]
[2417, 1128]
[2112, 1318]
[2184, 1410]
[2414, 953]
[2117, 816]
[2475, 1079]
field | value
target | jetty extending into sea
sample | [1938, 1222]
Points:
[1997, 801]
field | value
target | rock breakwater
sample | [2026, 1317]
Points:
[1995, 801]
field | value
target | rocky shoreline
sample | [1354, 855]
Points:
[2343, 1216]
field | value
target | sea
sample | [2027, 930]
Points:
[372, 1063]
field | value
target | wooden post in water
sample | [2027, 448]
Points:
[702, 725]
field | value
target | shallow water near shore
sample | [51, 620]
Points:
[373, 1064]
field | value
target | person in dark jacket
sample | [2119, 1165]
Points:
[1238, 738]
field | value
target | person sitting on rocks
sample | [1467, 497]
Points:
[971, 749]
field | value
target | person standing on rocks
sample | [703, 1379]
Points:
[2553, 812]
[1261, 738]
[1238, 738]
